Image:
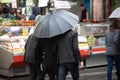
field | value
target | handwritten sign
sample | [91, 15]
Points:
[14, 3]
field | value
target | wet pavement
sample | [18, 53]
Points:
[96, 73]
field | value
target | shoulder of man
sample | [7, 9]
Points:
[74, 33]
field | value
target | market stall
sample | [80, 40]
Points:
[12, 48]
[95, 35]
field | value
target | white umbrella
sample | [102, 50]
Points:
[115, 13]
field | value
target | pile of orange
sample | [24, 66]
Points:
[28, 23]
[20, 23]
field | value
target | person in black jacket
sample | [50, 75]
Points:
[69, 55]
[84, 13]
[33, 56]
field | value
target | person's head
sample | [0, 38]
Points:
[118, 22]
[81, 6]
[5, 11]
[115, 24]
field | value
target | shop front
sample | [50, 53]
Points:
[13, 37]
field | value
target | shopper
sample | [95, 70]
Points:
[19, 15]
[68, 55]
[35, 12]
[83, 14]
[112, 50]
[33, 56]
[6, 13]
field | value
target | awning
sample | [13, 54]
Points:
[5, 1]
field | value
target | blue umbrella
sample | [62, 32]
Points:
[55, 23]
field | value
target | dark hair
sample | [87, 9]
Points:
[114, 24]
[6, 10]
[81, 4]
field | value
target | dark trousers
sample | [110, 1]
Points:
[51, 76]
[52, 73]
[64, 68]
[36, 72]
[110, 60]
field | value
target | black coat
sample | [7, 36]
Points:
[68, 51]
[50, 55]
[32, 53]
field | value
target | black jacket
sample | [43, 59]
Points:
[49, 54]
[68, 51]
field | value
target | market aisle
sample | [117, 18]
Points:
[98, 73]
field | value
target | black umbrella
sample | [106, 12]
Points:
[55, 23]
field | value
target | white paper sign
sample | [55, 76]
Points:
[23, 10]
[29, 2]
[42, 3]
[14, 3]
[62, 5]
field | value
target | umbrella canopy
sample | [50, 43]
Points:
[115, 13]
[55, 23]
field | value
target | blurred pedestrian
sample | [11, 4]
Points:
[35, 12]
[33, 56]
[19, 15]
[112, 50]
[13, 11]
[84, 13]
[69, 55]
[6, 13]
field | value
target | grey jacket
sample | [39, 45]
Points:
[68, 51]
[111, 43]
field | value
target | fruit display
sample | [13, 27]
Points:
[91, 40]
[19, 23]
